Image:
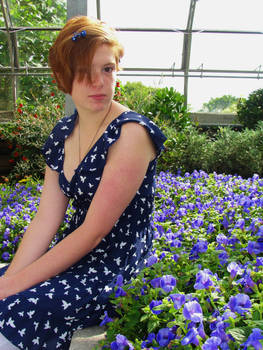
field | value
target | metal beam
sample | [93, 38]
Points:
[161, 30]
[187, 47]
[12, 46]
[74, 8]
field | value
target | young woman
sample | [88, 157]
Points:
[104, 158]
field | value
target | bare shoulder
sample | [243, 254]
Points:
[135, 138]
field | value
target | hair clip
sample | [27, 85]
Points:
[79, 35]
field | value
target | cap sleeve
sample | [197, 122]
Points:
[154, 132]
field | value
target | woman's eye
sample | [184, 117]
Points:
[109, 69]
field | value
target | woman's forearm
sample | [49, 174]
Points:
[34, 244]
[66, 253]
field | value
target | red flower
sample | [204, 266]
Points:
[20, 105]
[25, 158]
[53, 81]
[11, 161]
[35, 116]
[16, 154]
[58, 106]
[52, 94]
[118, 84]
[19, 110]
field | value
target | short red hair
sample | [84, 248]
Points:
[65, 55]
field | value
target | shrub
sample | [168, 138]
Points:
[167, 108]
[237, 152]
[250, 110]
[229, 152]
[27, 133]
[138, 97]
[184, 151]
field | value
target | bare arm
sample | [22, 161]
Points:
[127, 163]
[44, 225]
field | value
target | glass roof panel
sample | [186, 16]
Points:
[229, 14]
[150, 50]
[146, 13]
[226, 51]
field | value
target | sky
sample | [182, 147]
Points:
[210, 51]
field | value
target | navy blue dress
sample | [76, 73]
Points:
[46, 315]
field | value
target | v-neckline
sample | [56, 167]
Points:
[74, 119]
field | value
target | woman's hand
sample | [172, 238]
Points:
[5, 287]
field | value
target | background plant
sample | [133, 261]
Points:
[250, 110]
[28, 132]
[167, 108]
[33, 45]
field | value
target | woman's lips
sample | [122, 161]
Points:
[97, 97]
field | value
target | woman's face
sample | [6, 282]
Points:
[95, 96]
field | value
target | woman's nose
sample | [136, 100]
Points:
[96, 79]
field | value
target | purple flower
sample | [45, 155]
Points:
[203, 279]
[191, 337]
[153, 304]
[121, 343]
[155, 282]
[6, 233]
[167, 283]
[225, 222]
[247, 282]
[5, 256]
[199, 247]
[120, 292]
[119, 281]
[106, 319]
[147, 343]
[197, 223]
[234, 269]
[192, 311]
[178, 300]
[239, 303]
[253, 339]
[164, 336]
[259, 261]
[222, 239]
[212, 344]
[151, 260]
[210, 228]
[255, 248]
[240, 224]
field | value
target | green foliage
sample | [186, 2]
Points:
[229, 152]
[237, 152]
[223, 104]
[33, 45]
[250, 110]
[184, 151]
[167, 108]
[138, 97]
[27, 134]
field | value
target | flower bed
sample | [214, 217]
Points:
[18, 205]
[202, 287]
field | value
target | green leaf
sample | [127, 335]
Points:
[240, 334]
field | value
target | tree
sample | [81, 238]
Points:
[33, 45]
[224, 104]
